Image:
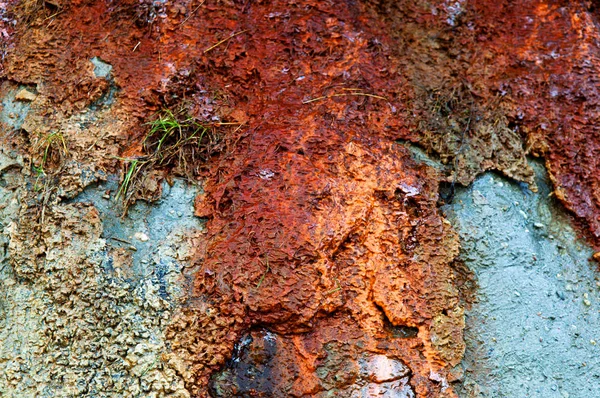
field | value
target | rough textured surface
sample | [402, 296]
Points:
[546, 61]
[533, 331]
[326, 267]
[84, 301]
[504, 72]
[364, 245]
[452, 102]
[256, 367]
[80, 314]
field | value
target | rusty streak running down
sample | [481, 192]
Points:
[321, 228]
[326, 267]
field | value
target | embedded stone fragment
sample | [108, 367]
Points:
[25, 95]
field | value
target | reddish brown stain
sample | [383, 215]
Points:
[555, 91]
[316, 211]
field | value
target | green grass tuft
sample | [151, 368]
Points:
[176, 142]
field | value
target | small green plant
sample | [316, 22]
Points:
[175, 141]
[39, 170]
[48, 156]
[129, 176]
[39, 174]
[170, 133]
[51, 148]
[262, 278]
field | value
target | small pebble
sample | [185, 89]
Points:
[569, 288]
[141, 236]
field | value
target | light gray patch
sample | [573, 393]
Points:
[104, 71]
[381, 369]
[13, 112]
[148, 229]
[396, 389]
[534, 330]
[101, 68]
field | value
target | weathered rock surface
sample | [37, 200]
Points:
[324, 266]
[534, 329]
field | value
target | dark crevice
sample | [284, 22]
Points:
[397, 331]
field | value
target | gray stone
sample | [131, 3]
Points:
[101, 68]
[529, 333]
